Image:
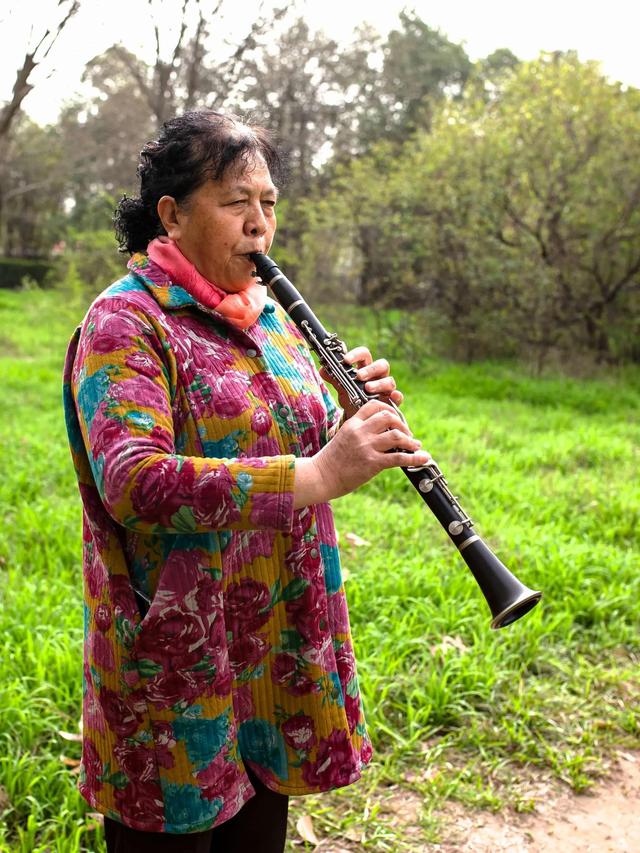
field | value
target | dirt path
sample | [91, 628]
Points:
[606, 820]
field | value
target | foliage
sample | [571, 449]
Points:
[457, 712]
[13, 271]
[100, 139]
[521, 213]
[489, 74]
[34, 177]
[291, 87]
[89, 261]
[497, 203]
[420, 67]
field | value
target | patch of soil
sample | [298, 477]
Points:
[606, 820]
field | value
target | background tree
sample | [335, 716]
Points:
[569, 194]
[34, 180]
[520, 214]
[291, 88]
[98, 135]
[195, 66]
[128, 97]
[420, 68]
[36, 52]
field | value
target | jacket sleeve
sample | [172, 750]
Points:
[121, 384]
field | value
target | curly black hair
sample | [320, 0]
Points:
[192, 148]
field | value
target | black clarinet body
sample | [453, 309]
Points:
[507, 597]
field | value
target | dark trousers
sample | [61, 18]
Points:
[259, 827]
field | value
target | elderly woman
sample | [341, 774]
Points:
[219, 674]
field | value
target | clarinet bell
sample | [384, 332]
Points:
[507, 597]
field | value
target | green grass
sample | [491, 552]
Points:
[548, 468]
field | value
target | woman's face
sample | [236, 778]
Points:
[222, 221]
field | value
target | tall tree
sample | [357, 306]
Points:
[292, 88]
[41, 43]
[421, 66]
[36, 52]
[101, 133]
[193, 65]
[393, 85]
[33, 189]
[358, 78]
[399, 84]
[131, 98]
[519, 214]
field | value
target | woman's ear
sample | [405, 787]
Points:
[168, 213]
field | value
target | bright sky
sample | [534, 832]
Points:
[604, 30]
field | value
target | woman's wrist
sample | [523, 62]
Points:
[308, 485]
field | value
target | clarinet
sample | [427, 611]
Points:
[507, 597]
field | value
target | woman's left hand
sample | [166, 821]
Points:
[375, 374]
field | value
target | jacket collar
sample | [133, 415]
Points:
[171, 296]
[160, 286]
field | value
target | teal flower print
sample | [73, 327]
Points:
[92, 391]
[332, 573]
[184, 806]
[203, 738]
[262, 742]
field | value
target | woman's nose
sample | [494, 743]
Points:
[256, 222]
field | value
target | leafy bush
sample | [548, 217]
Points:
[88, 263]
[514, 221]
[14, 270]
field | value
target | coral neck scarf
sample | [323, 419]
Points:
[240, 309]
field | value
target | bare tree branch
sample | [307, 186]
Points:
[197, 57]
[32, 59]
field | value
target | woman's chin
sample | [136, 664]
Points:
[239, 275]
[236, 285]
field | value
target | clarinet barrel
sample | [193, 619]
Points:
[507, 597]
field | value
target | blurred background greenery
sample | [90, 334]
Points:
[495, 202]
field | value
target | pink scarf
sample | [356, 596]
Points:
[240, 309]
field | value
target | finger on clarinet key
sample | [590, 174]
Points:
[374, 370]
[407, 459]
[383, 416]
[385, 386]
[421, 457]
[358, 355]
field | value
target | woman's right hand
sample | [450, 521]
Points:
[356, 453]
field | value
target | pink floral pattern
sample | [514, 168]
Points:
[217, 628]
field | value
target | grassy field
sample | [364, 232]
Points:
[547, 467]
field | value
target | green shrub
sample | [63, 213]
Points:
[89, 262]
[14, 270]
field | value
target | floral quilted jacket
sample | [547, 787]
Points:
[216, 626]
